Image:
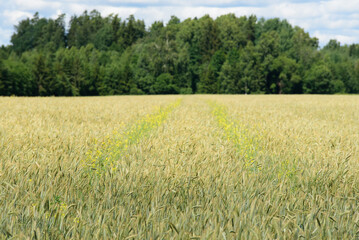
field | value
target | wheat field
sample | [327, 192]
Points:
[180, 167]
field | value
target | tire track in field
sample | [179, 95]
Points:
[247, 142]
[188, 140]
[173, 177]
[114, 147]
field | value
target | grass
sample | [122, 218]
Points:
[157, 167]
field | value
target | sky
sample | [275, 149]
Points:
[326, 19]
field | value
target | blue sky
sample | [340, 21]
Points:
[326, 19]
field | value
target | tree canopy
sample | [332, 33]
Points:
[232, 55]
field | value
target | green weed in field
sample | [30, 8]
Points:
[238, 134]
[114, 147]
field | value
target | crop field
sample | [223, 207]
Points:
[180, 167]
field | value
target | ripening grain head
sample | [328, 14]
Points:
[211, 167]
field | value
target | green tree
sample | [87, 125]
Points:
[318, 80]
[3, 79]
[209, 81]
[42, 74]
[164, 85]
[268, 49]
[234, 32]
[39, 33]
[209, 41]
[284, 71]
[106, 55]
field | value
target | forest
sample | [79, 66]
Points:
[95, 55]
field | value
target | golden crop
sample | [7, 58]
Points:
[179, 167]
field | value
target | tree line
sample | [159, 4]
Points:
[231, 55]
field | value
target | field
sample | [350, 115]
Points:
[180, 167]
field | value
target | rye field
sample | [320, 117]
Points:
[180, 167]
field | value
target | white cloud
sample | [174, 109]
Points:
[296, 10]
[5, 34]
[188, 2]
[343, 39]
[13, 17]
[335, 6]
[36, 5]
